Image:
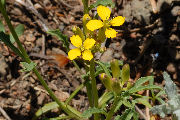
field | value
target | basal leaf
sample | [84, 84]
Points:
[61, 37]
[89, 112]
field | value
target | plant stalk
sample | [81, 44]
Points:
[94, 87]
[86, 7]
[28, 60]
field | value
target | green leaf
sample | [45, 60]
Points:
[127, 103]
[142, 80]
[170, 87]
[89, 112]
[102, 2]
[6, 39]
[105, 98]
[147, 87]
[28, 66]
[46, 108]
[161, 93]
[105, 68]
[161, 110]
[117, 117]
[2, 27]
[61, 37]
[60, 118]
[127, 115]
[19, 31]
[144, 100]
[115, 69]
[125, 74]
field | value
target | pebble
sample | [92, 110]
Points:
[3, 66]
[62, 95]
[171, 68]
[107, 56]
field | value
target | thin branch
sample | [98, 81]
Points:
[4, 113]
[140, 112]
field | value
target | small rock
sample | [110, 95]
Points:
[41, 98]
[17, 11]
[171, 68]
[62, 95]
[37, 6]
[3, 66]
[30, 37]
[107, 55]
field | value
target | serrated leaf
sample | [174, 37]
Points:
[170, 87]
[127, 103]
[89, 112]
[147, 87]
[2, 27]
[105, 98]
[142, 80]
[144, 101]
[127, 115]
[103, 2]
[105, 68]
[28, 66]
[61, 37]
[19, 31]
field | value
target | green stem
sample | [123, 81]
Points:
[111, 112]
[74, 93]
[94, 87]
[27, 59]
[86, 9]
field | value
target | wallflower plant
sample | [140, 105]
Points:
[87, 41]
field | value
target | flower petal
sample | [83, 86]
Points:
[103, 12]
[89, 43]
[87, 55]
[117, 21]
[74, 53]
[110, 33]
[94, 24]
[76, 40]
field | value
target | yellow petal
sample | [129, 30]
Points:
[110, 33]
[74, 53]
[103, 12]
[87, 55]
[76, 40]
[89, 43]
[94, 24]
[117, 21]
[86, 17]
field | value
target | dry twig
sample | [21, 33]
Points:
[4, 113]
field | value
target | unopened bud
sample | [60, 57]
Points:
[106, 81]
[116, 86]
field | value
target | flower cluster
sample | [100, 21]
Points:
[84, 46]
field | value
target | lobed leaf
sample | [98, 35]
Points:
[61, 37]
[103, 2]
[89, 112]
[28, 66]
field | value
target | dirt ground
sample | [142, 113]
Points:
[149, 42]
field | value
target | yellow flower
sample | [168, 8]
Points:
[104, 13]
[94, 24]
[117, 21]
[89, 43]
[87, 55]
[76, 40]
[74, 53]
[110, 33]
[83, 47]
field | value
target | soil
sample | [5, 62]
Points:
[148, 41]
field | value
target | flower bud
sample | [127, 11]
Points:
[77, 31]
[116, 86]
[115, 69]
[106, 81]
